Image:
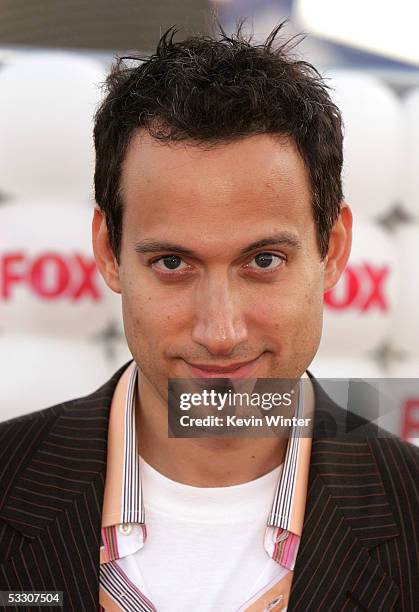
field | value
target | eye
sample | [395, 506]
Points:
[169, 263]
[266, 261]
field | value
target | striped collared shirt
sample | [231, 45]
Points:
[123, 507]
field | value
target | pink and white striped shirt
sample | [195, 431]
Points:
[123, 507]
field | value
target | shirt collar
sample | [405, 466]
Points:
[123, 501]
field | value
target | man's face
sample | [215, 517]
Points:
[219, 263]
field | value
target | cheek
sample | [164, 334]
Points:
[306, 324]
[144, 331]
[151, 321]
[289, 313]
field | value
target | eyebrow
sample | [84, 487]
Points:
[153, 246]
[280, 239]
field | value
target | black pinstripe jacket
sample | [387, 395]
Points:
[359, 547]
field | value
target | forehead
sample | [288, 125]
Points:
[252, 182]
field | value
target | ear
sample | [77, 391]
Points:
[105, 258]
[339, 247]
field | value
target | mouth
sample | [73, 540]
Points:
[242, 369]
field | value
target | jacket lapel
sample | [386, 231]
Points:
[55, 506]
[55, 502]
[347, 512]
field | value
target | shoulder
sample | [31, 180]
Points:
[396, 457]
[101, 394]
[21, 435]
[331, 420]
[396, 460]
[29, 420]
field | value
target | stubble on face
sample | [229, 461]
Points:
[214, 203]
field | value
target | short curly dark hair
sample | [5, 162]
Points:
[213, 90]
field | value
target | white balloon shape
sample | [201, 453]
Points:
[120, 352]
[406, 368]
[38, 372]
[359, 309]
[339, 367]
[406, 378]
[47, 101]
[372, 141]
[335, 376]
[406, 322]
[410, 172]
[49, 283]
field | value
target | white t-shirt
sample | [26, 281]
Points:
[204, 549]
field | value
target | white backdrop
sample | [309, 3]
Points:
[60, 327]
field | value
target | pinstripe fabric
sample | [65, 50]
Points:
[52, 475]
[398, 464]
[359, 543]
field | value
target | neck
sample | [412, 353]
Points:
[200, 462]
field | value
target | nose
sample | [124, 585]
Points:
[219, 324]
